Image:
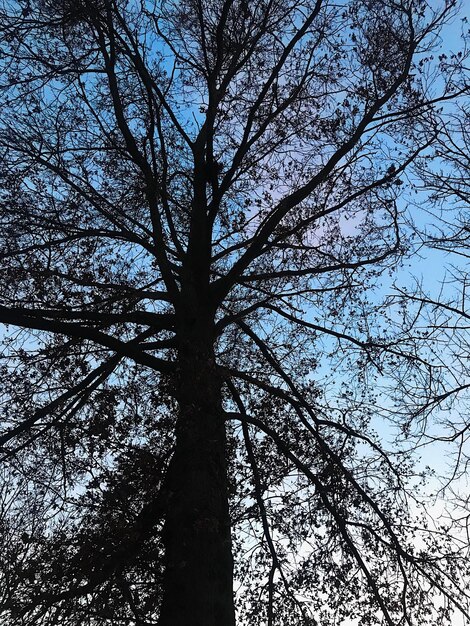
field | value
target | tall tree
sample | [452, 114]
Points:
[196, 197]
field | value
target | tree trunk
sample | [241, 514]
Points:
[198, 583]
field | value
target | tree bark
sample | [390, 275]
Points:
[198, 580]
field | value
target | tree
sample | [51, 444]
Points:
[196, 197]
[442, 307]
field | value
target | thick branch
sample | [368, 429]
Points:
[16, 318]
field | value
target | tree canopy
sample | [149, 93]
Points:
[198, 202]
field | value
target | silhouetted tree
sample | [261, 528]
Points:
[442, 307]
[197, 199]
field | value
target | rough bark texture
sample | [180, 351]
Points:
[198, 588]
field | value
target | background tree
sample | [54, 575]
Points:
[441, 400]
[196, 200]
